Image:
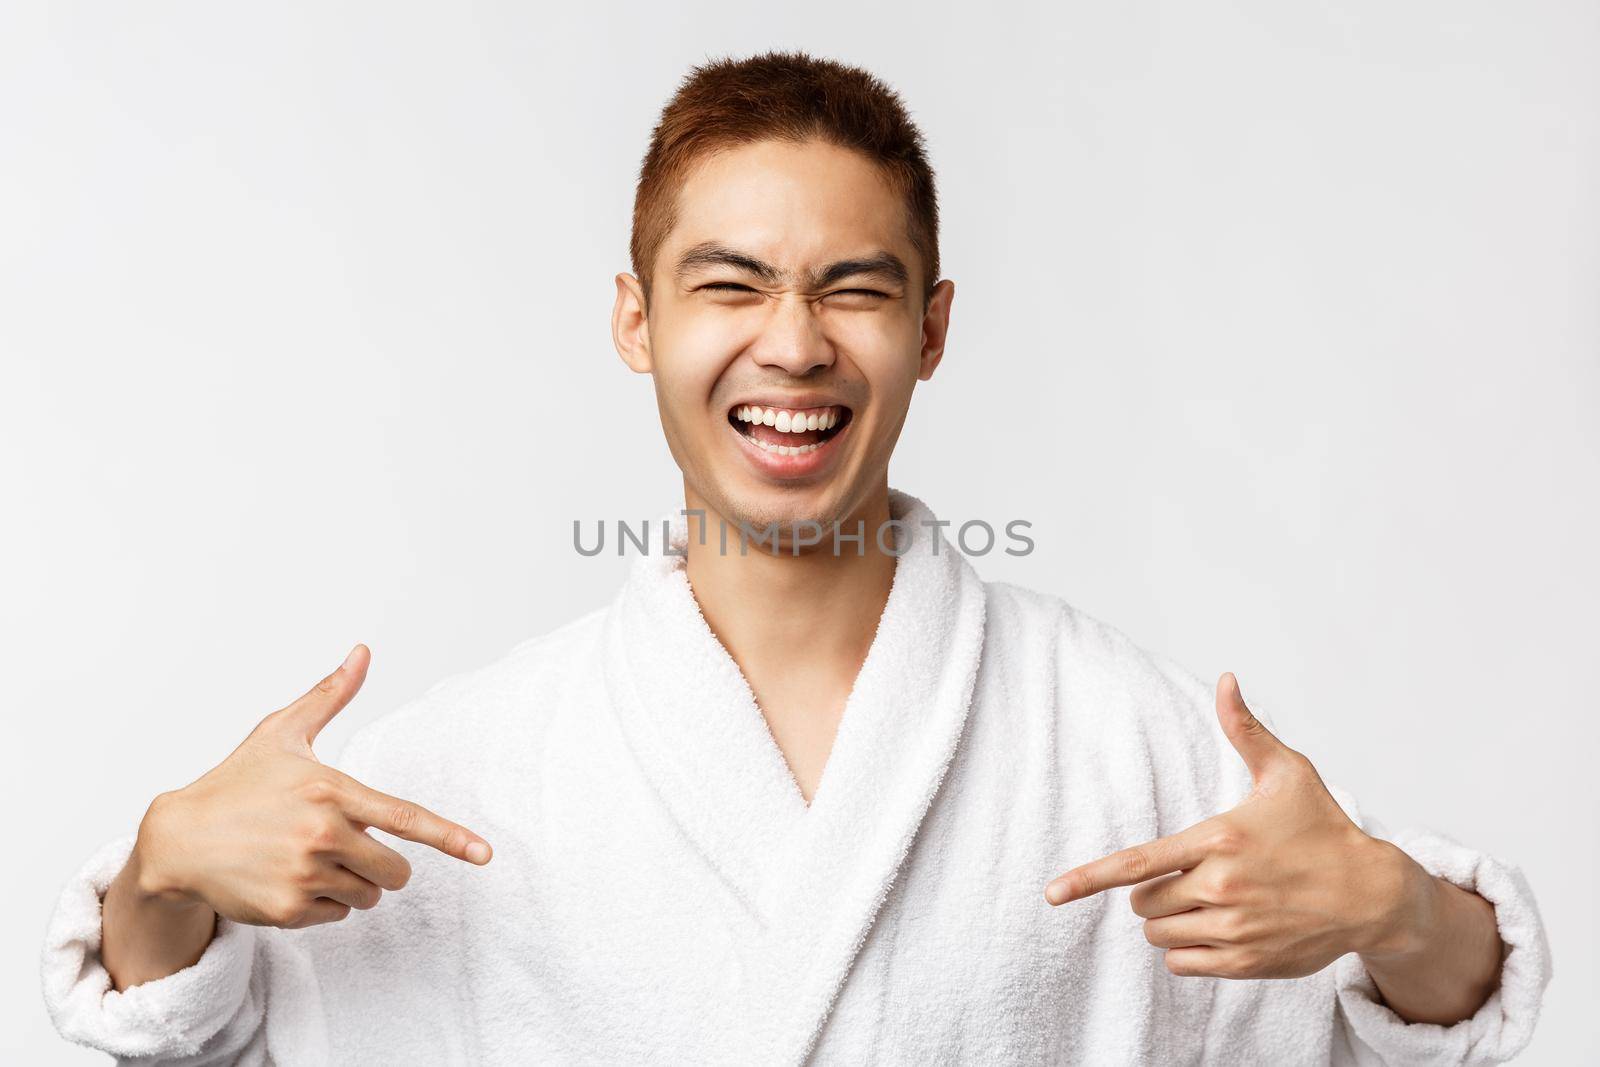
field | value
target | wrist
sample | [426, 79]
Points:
[150, 881]
[1411, 902]
[150, 926]
[1437, 955]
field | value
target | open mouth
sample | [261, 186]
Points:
[789, 431]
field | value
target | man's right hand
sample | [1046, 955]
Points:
[269, 837]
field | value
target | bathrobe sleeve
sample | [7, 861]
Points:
[255, 996]
[1499, 1029]
[208, 1013]
[1366, 1031]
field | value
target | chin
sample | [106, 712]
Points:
[789, 506]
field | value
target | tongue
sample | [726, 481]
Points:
[772, 436]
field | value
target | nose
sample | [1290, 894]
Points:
[792, 339]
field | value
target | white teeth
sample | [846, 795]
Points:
[788, 421]
[785, 450]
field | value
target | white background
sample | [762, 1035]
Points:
[1280, 322]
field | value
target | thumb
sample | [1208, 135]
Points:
[301, 721]
[1258, 746]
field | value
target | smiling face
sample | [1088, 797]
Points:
[785, 334]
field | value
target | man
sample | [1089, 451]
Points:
[825, 796]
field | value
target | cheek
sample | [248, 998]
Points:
[891, 340]
[714, 335]
[889, 364]
[879, 336]
[688, 364]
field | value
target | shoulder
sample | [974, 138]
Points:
[1089, 648]
[1130, 715]
[1096, 668]
[478, 709]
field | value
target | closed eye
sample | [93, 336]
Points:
[735, 287]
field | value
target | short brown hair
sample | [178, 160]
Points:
[788, 96]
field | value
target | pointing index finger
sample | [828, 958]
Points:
[1127, 866]
[412, 821]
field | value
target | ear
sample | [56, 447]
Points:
[935, 326]
[630, 327]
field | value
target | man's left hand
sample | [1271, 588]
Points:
[1278, 887]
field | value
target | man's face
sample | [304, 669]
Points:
[786, 332]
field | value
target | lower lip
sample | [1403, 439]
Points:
[801, 465]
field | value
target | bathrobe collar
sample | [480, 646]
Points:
[810, 879]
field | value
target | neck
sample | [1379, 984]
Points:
[766, 608]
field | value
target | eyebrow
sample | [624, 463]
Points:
[712, 254]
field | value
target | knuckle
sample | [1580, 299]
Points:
[1176, 964]
[337, 913]
[453, 840]
[1150, 934]
[287, 909]
[1140, 901]
[1133, 863]
[1231, 926]
[1243, 963]
[1223, 885]
[1301, 764]
[305, 873]
[267, 724]
[403, 817]
[1227, 840]
[322, 833]
[369, 898]
[401, 874]
[318, 789]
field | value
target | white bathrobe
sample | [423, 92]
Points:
[661, 892]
